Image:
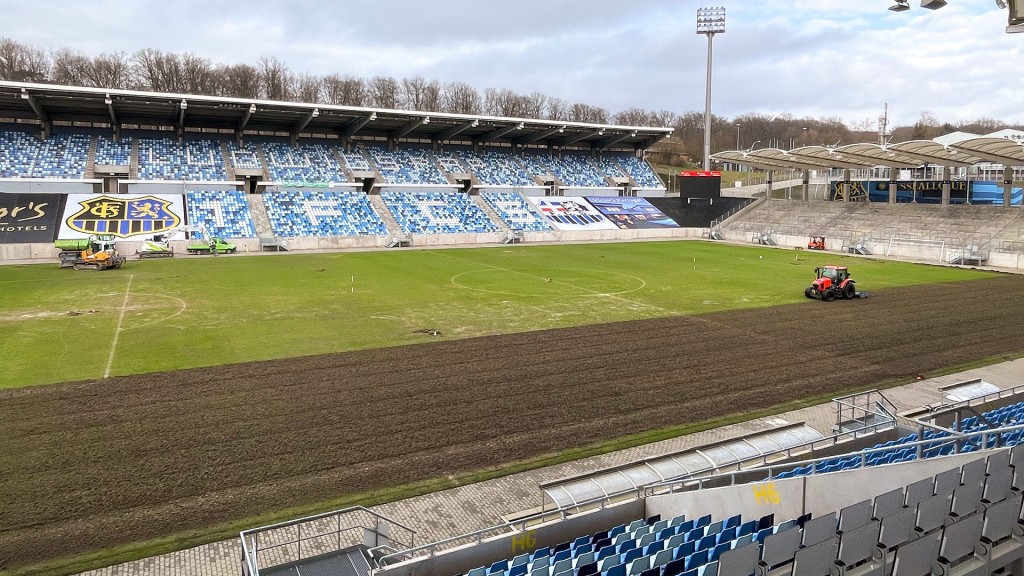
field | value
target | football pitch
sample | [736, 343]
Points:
[190, 311]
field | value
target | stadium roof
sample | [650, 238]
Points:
[912, 154]
[51, 103]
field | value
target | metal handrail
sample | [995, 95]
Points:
[250, 554]
[956, 437]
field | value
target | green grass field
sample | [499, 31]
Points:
[61, 325]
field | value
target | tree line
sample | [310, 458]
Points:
[270, 79]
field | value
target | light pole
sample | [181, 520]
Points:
[710, 21]
[738, 136]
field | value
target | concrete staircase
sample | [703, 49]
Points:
[229, 170]
[133, 166]
[90, 160]
[258, 210]
[505, 230]
[394, 230]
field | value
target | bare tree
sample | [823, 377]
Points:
[158, 71]
[22, 63]
[580, 112]
[535, 105]
[411, 93]
[461, 98]
[309, 88]
[275, 79]
[70, 68]
[240, 81]
[113, 70]
[383, 92]
[663, 118]
[633, 117]
[432, 96]
[197, 75]
[557, 109]
[353, 91]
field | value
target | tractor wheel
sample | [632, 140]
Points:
[828, 295]
[850, 291]
[809, 293]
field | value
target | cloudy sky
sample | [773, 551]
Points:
[816, 58]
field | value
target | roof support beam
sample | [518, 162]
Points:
[356, 125]
[416, 123]
[181, 118]
[114, 124]
[306, 119]
[615, 139]
[574, 138]
[244, 121]
[41, 113]
[530, 138]
[456, 130]
[498, 133]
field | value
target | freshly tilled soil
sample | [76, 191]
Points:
[94, 464]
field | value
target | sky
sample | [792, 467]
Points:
[841, 59]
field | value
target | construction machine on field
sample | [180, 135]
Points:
[97, 252]
[833, 282]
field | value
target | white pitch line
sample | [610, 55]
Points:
[117, 331]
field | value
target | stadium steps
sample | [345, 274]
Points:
[262, 155]
[260, 219]
[336, 154]
[133, 168]
[226, 155]
[90, 160]
[394, 230]
[492, 215]
[352, 563]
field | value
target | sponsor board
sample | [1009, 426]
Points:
[26, 218]
[631, 213]
[570, 213]
[123, 215]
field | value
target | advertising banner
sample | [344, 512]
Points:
[26, 218]
[570, 213]
[631, 213]
[123, 215]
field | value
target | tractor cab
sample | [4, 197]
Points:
[835, 274]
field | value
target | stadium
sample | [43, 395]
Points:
[441, 344]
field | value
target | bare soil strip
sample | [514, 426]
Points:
[93, 464]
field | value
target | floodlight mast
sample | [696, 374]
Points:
[710, 21]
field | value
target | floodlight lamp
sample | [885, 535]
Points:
[474, 124]
[520, 126]
[1001, 4]
[900, 6]
[426, 120]
[373, 115]
[184, 104]
[252, 108]
[316, 112]
[933, 4]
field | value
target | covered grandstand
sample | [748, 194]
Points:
[314, 176]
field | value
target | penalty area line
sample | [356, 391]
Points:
[117, 331]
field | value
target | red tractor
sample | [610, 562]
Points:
[832, 282]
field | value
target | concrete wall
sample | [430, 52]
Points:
[169, 187]
[51, 186]
[464, 558]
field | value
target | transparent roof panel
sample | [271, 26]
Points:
[573, 491]
[642, 475]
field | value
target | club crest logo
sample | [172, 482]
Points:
[124, 217]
